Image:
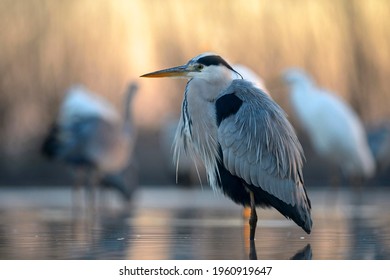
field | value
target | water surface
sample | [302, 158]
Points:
[174, 223]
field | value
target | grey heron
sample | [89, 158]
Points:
[335, 130]
[250, 151]
[93, 138]
[189, 172]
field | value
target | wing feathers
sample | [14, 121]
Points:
[260, 146]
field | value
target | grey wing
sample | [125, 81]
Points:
[259, 145]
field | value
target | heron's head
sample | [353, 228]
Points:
[296, 76]
[207, 66]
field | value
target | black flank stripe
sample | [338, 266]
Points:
[227, 105]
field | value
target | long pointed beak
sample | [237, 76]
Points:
[174, 72]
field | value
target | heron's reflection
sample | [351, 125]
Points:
[252, 250]
[304, 254]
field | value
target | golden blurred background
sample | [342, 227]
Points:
[48, 45]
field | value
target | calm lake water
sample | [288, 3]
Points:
[175, 223]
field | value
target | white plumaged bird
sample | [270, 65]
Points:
[335, 130]
[249, 75]
[81, 103]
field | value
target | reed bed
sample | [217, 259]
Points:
[47, 45]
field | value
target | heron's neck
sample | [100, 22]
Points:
[128, 118]
[303, 90]
[206, 90]
[305, 84]
[199, 121]
[301, 98]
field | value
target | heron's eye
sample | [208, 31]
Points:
[199, 67]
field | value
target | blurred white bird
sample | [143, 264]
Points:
[249, 75]
[335, 130]
[92, 137]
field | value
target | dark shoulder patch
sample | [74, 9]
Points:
[214, 60]
[227, 105]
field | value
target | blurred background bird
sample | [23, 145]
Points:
[334, 129]
[92, 137]
[379, 141]
[249, 75]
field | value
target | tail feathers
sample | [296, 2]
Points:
[236, 188]
[300, 213]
